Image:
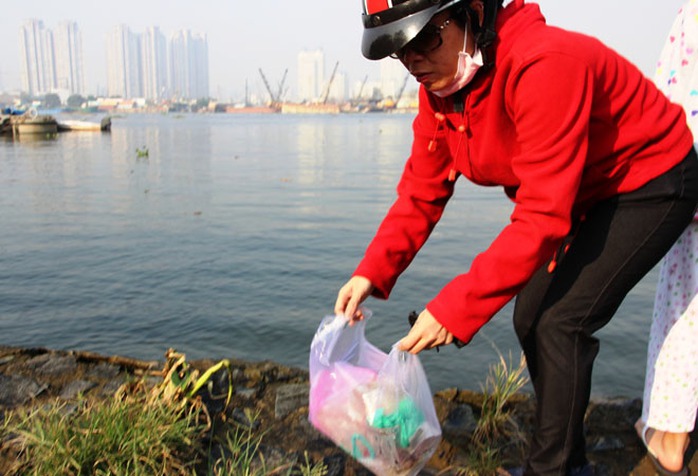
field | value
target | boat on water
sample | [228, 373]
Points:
[309, 108]
[80, 125]
[251, 109]
[28, 123]
[31, 122]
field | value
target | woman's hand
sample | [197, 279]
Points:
[350, 296]
[426, 333]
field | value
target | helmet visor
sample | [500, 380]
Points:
[387, 31]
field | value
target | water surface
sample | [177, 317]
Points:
[231, 239]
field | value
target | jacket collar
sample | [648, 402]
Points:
[511, 22]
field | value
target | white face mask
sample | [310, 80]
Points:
[467, 67]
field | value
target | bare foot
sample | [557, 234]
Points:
[668, 448]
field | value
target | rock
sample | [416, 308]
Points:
[290, 398]
[17, 390]
[605, 443]
[48, 364]
[103, 370]
[460, 422]
[76, 388]
[247, 393]
[607, 414]
[274, 398]
[270, 457]
[110, 387]
[335, 464]
[244, 419]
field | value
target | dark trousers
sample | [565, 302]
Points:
[556, 315]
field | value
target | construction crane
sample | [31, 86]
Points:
[329, 84]
[361, 88]
[281, 92]
[266, 84]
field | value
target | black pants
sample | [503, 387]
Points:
[556, 314]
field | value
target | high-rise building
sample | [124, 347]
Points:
[189, 78]
[154, 67]
[201, 68]
[37, 61]
[51, 61]
[393, 77]
[124, 78]
[311, 75]
[139, 65]
[70, 74]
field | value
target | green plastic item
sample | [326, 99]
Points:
[407, 419]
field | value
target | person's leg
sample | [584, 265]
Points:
[671, 390]
[671, 397]
[556, 315]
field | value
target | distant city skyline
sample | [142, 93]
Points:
[148, 65]
[269, 35]
[139, 64]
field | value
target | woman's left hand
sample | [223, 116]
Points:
[426, 333]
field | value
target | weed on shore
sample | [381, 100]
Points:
[165, 428]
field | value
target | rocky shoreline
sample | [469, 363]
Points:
[279, 394]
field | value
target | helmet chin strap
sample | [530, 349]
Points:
[485, 34]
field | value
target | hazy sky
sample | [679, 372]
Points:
[244, 36]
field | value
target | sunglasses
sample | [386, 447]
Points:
[426, 41]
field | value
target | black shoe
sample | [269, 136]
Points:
[586, 470]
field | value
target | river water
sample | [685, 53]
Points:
[231, 239]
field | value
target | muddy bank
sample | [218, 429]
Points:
[279, 394]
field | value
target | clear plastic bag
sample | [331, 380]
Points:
[378, 407]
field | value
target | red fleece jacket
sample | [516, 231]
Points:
[561, 122]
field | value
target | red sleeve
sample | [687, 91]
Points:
[422, 194]
[550, 103]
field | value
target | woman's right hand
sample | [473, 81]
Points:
[350, 296]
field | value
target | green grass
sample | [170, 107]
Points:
[166, 430]
[156, 430]
[242, 458]
[497, 434]
[484, 460]
[132, 438]
[116, 437]
[503, 382]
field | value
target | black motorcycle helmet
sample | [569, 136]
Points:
[391, 24]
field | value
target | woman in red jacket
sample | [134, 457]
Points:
[600, 167]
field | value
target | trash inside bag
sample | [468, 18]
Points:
[377, 407]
